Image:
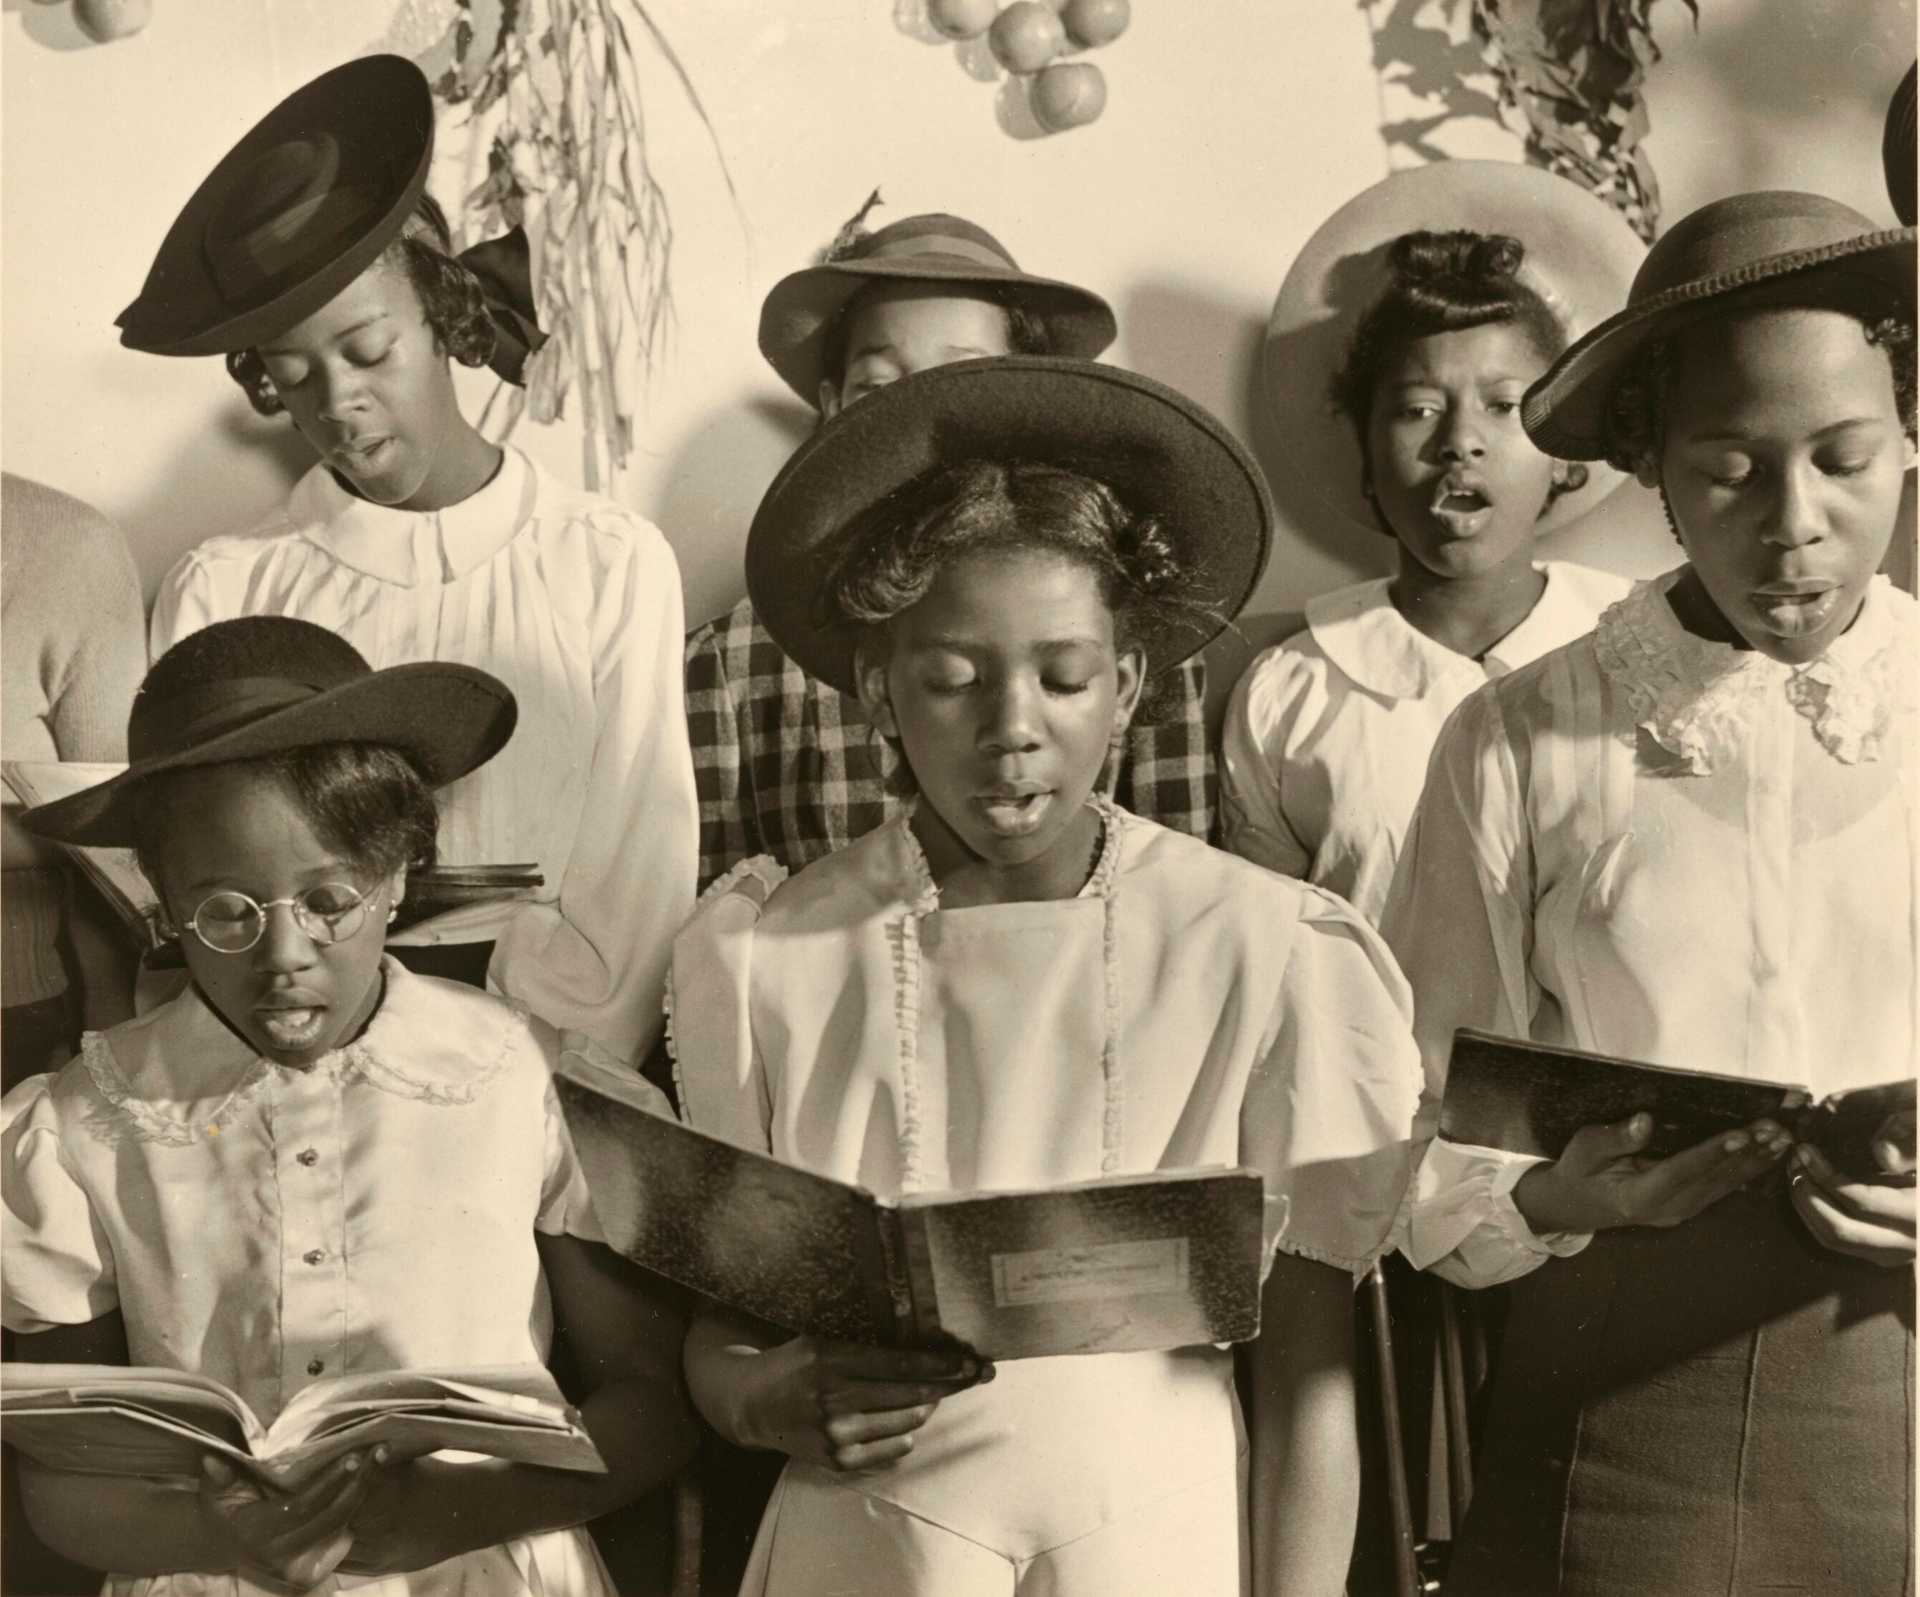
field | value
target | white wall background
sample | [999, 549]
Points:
[1233, 127]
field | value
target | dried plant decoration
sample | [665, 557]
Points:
[1575, 70]
[550, 95]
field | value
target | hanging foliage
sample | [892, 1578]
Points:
[1574, 70]
[552, 88]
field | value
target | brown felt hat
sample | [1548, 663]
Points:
[1580, 257]
[1156, 449]
[798, 315]
[1776, 247]
[260, 685]
[292, 214]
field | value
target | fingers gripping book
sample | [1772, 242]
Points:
[1530, 1098]
[104, 1420]
[1123, 1264]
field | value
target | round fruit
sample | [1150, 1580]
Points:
[1092, 23]
[1026, 36]
[961, 19]
[107, 20]
[1069, 95]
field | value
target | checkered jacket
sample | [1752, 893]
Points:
[787, 766]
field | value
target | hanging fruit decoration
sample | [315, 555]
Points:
[107, 20]
[1029, 38]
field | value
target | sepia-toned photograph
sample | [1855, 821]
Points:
[958, 798]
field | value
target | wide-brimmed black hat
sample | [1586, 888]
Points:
[1772, 247]
[261, 685]
[1156, 449]
[800, 311]
[292, 214]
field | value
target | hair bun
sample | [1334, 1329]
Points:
[1147, 557]
[1427, 256]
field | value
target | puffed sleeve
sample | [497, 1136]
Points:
[183, 605]
[56, 1264]
[1459, 919]
[1328, 1114]
[1253, 744]
[595, 962]
[717, 1068]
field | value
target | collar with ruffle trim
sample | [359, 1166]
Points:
[1694, 697]
[176, 1076]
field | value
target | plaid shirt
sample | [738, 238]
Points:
[787, 766]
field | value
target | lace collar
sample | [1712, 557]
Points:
[1694, 697]
[415, 548]
[177, 1076]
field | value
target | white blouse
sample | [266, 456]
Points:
[575, 603]
[1327, 735]
[270, 1227]
[1651, 845]
[1184, 1010]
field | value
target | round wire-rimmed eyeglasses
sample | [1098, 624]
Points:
[231, 922]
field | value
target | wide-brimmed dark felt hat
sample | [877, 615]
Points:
[1156, 449]
[292, 214]
[261, 685]
[1580, 257]
[1897, 150]
[1775, 247]
[799, 313]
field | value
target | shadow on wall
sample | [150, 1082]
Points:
[166, 520]
[1204, 344]
[712, 487]
[49, 24]
[1414, 51]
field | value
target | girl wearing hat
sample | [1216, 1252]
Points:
[1018, 984]
[1426, 341]
[1691, 838]
[314, 261]
[305, 1125]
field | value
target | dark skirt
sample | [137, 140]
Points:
[1721, 1408]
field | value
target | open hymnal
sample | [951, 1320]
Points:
[105, 1420]
[1530, 1098]
[1164, 1260]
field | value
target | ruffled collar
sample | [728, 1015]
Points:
[923, 893]
[177, 1075]
[415, 548]
[1361, 632]
[1694, 697]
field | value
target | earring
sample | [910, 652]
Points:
[393, 914]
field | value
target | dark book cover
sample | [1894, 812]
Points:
[1531, 1098]
[1168, 1259]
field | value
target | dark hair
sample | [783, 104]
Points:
[1634, 425]
[1440, 283]
[1026, 333]
[449, 294]
[365, 801]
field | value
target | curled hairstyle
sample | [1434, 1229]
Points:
[450, 296]
[1441, 283]
[1634, 426]
[892, 556]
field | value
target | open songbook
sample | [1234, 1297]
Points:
[1164, 1260]
[105, 1420]
[1530, 1098]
